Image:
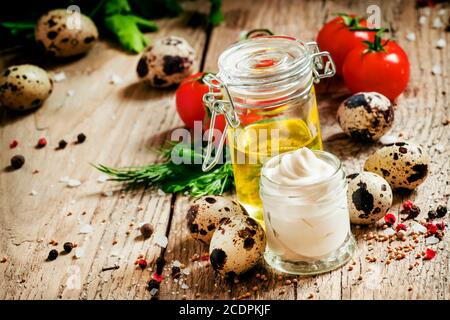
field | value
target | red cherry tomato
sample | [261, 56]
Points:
[385, 70]
[189, 102]
[337, 38]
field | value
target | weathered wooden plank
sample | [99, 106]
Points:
[123, 123]
[418, 117]
[115, 118]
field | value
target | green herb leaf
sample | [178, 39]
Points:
[145, 25]
[215, 14]
[173, 6]
[19, 30]
[126, 29]
[171, 177]
[116, 7]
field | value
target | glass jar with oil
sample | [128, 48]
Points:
[265, 90]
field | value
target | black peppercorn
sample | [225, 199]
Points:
[441, 211]
[52, 255]
[153, 284]
[431, 215]
[17, 161]
[412, 213]
[81, 138]
[176, 272]
[146, 230]
[68, 246]
[160, 265]
[62, 144]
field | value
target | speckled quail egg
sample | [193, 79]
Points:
[64, 34]
[237, 245]
[206, 213]
[403, 165]
[24, 87]
[166, 62]
[366, 116]
[369, 197]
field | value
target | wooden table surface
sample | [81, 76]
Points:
[124, 122]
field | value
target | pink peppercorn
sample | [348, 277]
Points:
[389, 219]
[13, 144]
[408, 204]
[401, 226]
[42, 142]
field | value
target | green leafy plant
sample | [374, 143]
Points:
[127, 27]
[171, 177]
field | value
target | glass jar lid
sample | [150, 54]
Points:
[264, 60]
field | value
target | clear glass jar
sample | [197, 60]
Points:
[265, 89]
[307, 228]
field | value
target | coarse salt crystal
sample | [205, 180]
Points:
[176, 263]
[73, 183]
[389, 232]
[59, 76]
[87, 228]
[161, 193]
[441, 43]
[186, 271]
[161, 240]
[64, 179]
[436, 70]
[102, 178]
[70, 93]
[33, 193]
[79, 253]
[432, 240]
[115, 79]
[411, 36]
[418, 228]
[422, 20]
[437, 23]
[439, 148]
[72, 201]
[154, 291]
[388, 139]
[184, 286]
[108, 193]
[114, 253]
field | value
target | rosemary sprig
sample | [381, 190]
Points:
[171, 177]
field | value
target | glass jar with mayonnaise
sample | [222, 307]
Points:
[304, 196]
[265, 90]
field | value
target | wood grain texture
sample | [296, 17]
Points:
[124, 122]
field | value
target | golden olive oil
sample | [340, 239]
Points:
[255, 143]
